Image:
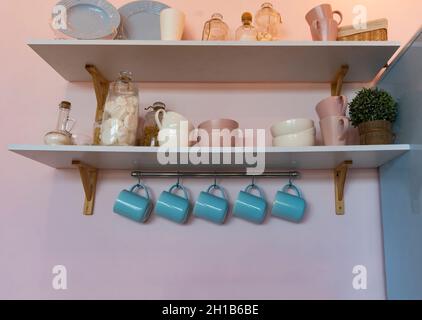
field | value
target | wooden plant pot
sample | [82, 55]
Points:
[376, 132]
[377, 30]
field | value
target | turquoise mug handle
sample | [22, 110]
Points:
[217, 187]
[140, 186]
[290, 186]
[251, 187]
[179, 187]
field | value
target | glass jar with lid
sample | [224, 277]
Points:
[120, 118]
[62, 134]
[246, 32]
[268, 22]
[215, 29]
[151, 130]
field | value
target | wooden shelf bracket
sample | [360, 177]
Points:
[101, 86]
[89, 182]
[340, 174]
[337, 84]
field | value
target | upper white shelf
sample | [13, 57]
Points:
[230, 61]
[145, 158]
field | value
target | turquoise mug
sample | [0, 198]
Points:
[173, 207]
[132, 205]
[211, 207]
[288, 206]
[249, 206]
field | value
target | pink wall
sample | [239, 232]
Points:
[110, 257]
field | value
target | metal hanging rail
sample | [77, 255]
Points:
[146, 174]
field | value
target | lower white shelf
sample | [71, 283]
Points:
[274, 158]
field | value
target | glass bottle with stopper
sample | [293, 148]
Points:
[62, 135]
[268, 22]
[246, 32]
[215, 29]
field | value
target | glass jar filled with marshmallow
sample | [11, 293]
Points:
[120, 119]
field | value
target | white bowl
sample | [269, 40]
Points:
[295, 140]
[307, 131]
[291, 126]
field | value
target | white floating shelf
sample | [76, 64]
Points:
[145, 158]
[200, 61]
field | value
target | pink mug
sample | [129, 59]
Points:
[321, 12]
[334, 130]
[324, 30]
[332, 106]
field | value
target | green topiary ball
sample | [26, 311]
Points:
[371, 105]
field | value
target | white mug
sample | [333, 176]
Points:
[172, 24]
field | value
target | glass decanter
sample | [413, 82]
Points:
[215, 29]
[268, 22]
[247, 32]
[62, 135]
[120, 119]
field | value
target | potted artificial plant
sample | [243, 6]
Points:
[373, 111]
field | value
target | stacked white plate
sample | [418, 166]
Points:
[294, 133]
[141, 20]
[86, 20]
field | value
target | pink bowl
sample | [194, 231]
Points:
[227, 139]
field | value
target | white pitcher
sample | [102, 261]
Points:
[174, 128]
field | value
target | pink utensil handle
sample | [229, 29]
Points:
[316, 30]
[346, 125]
[316, 25]
[340, 16]
[345, 103]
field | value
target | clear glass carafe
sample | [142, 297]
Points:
[62, 134]
[246, 32]
[268, 22]
[215, 29]
[151, 130]
[120, 119]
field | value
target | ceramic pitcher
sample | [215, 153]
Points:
[175, 129]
